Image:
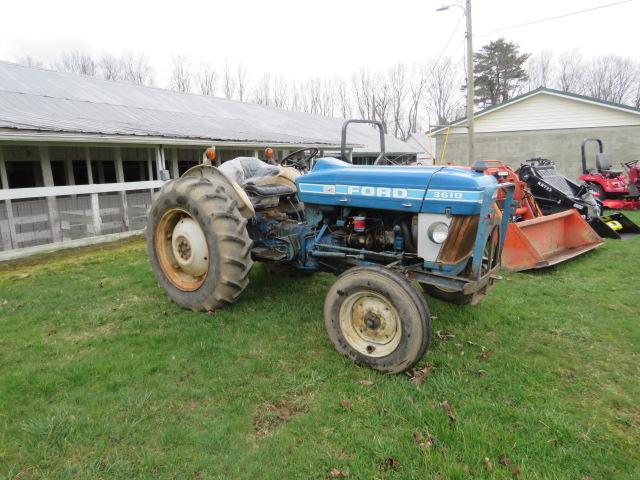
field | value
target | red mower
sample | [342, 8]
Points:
[612, 187]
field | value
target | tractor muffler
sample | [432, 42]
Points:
[547, 240]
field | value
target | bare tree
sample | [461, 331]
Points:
[362, 90]
[207, 79]
[242, 82]
[295, 99]
[399, 89]
[110, 67]
[29, 61]
[569, 72]
[77, 62]
[136, 69]
[443, 87]
[382, 96]
[310, 96]
[610, 77]
[181, 77]
[540, 69]
[343, 98]
[262, 91]
[416, 96]
[327, 97]
[228, 82]
[635, 99]
[280, 92]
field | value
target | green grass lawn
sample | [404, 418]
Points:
[101, 376]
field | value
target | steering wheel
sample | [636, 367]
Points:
[404, 159]
[630, 164]
[303, 164]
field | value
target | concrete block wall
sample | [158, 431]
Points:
[562, 146]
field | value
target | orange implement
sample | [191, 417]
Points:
[547, 240]
[535, 240]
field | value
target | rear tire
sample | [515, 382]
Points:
[376, 317]
[215, 232]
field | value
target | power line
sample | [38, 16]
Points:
[553, 18]
[455, 29]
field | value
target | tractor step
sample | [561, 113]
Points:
[261, 253]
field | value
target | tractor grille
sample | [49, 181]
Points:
[550, 175]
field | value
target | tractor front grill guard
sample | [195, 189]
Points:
[485, 225]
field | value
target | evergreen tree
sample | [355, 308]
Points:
[498, 71]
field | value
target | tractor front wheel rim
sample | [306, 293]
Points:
[370, 324]
[182, 250]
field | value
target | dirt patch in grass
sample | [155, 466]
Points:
[100, 331]
[269, 415]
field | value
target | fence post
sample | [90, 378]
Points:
[175, 171]
[123, 195]
[150, 168]
[12, 240]
[52, 206]
[95, 200]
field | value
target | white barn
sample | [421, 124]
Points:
[80, 156]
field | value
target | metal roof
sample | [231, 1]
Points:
[537, 91]
[40, 100]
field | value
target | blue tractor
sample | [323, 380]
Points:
[383, 229]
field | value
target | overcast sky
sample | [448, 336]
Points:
[301, 38]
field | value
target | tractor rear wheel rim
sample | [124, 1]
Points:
[182, 250]
[370, 324]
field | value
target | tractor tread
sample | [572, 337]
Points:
[208, 202]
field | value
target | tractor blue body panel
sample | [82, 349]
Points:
[458, 190]
[416, 189]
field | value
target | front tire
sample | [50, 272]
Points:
[376, 317]
[198, 244]
[455, 297]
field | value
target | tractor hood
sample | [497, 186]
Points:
[404, 188]
[431, 189]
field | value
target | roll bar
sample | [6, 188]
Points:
[583, 150]
[343, 142]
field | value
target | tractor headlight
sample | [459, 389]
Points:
[438, 232]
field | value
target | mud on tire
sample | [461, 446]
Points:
[226, 256]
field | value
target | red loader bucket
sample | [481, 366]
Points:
[547, 240]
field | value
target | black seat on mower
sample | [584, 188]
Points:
[604, 165]
[269, 190]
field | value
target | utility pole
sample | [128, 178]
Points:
[470, 78]
[470, 86]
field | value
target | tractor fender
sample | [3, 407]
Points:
[232, 189]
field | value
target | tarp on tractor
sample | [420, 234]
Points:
[547, 240]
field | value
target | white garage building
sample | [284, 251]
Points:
[544, 123]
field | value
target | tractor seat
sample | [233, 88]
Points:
[245, 170]
[268, 190]
[604, 165]
[265, 184]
